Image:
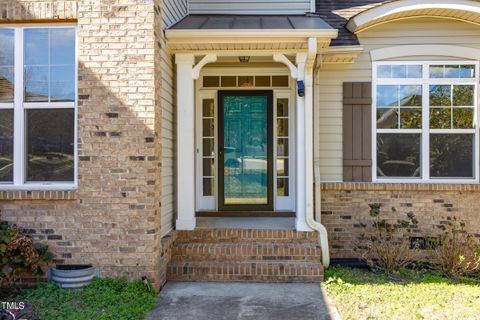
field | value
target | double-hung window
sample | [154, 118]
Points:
[37, 107]
[425, 121]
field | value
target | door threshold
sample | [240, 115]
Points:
[266, 214]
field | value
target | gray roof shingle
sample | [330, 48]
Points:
[337, 13]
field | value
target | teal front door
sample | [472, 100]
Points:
[245, 150]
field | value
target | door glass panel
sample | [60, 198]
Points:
[208, 147]
[245, 150]
[282, 148]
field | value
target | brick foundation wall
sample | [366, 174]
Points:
[346, 205]
[113, 219]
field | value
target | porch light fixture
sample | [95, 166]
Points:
[244, 59]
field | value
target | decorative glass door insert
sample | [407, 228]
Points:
[245, 150]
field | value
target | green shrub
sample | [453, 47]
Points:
[19, 255]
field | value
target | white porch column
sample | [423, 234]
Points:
[301, 152]
[185, 142]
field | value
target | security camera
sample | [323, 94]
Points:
[301, 88]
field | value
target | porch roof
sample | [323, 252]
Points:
[250, 34]
[248, 22]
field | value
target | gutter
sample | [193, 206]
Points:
[249, 33]
[310, 219]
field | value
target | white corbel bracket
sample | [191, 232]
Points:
[209, 58]
[281, 58]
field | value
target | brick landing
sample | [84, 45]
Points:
[246, 255]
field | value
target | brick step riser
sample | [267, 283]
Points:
[242, 278]
[244, 252]
[252, 271]
[189, 257]
[246, 236]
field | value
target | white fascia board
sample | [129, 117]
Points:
[249, 33]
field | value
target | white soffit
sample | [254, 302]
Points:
[462, 10]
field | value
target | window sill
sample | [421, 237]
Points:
[400, 186]
[37, 194]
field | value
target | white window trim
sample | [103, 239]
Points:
[425, 81]
[19, 107]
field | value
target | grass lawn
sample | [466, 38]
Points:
[360, 294]
[102, 299]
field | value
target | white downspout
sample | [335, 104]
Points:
[310, 210]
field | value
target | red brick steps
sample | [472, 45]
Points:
[247, 251]
[246, 255]
[255, 271]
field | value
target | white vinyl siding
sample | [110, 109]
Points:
[174, 11]
[249, 6]
[329, 79]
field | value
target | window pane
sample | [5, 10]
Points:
[282, 187]
[398, 155]
[6, 84]
[463, 95]
[6, 64]
[62, 84]
[208, 127]
[440, 118]
[440, 95]
[210, 82]
[451, 155]
[208, 167]
[50, 145]
[282, 167]
[36, 84]
[399, 71]
[208, 108]
[452, 71]
[387, 118]
[229, 81]
[262, 81]
[62, 48]
[282, 147]
[279, 81]
[384, 71]
[282, 127]
[36, 48]
[49, 64]
[208, 186]
[463, 118]
[414, 71]
[387, 96]
[410, 96]
[6, 145]
[436, 71]
[467, 71]
[7, 53]
[245, 81]
[282, 107]
[410, 118]
[208, 147]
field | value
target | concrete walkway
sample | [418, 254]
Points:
[230, 301]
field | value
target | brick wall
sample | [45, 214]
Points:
[113, 219]
[345, 206]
